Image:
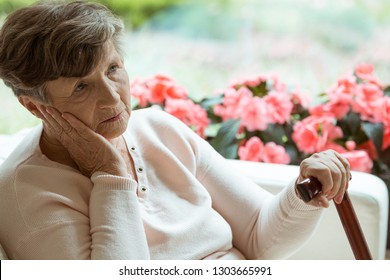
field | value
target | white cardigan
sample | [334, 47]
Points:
[368, 194]
[187, 203]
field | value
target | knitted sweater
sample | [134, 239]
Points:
[187, 203]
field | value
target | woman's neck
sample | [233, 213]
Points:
[55, 151]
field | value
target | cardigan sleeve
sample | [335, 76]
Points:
[58, 226]
[264, 226]
[116, 226]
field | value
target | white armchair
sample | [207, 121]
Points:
[368, 194]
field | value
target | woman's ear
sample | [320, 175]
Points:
[31, 104]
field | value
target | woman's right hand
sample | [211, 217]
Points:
[89, 150]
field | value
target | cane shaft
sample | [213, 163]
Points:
[352, 229]
[310, 187]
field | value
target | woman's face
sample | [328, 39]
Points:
[101, 100]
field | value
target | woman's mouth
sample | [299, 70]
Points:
[113, 119]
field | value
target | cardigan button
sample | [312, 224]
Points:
[140, 169]
[143, 188]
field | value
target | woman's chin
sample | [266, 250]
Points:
[114, 129]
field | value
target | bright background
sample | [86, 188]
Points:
[206, 44]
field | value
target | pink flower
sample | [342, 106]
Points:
[359, 160]
[367, 101]
[140, 91]
[313, 133]
[370, 149]
[340, 98]
[344, 89]
[255, 150]
[383, 112]
[366, 72]
[253, 81]
[251, 150]
[386, 138]
[279, 107]
[274, 153]
[188, 112]
[254, 116]
[334, 146]
[234, 103]
[163, 87]
[297, 98]
[350, 145]
[335, 110]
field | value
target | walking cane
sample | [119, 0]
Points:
[310, 187]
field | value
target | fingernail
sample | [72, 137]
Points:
[338, 199]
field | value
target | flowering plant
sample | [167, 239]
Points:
[262, 119]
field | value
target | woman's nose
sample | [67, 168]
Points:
[108, 94]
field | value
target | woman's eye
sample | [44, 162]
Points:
[112, 69]
[80, 87]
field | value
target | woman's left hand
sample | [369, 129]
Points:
[333, 172]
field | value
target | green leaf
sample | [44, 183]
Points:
[385, 156]
[387, 91]
[209, 102]
[374, 131]
[274, 133]
[382, 170]
[260, 90]
[226, 142]
[350, 124]
[292, 151]
[212, 130]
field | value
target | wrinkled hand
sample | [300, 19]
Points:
[89, 150]
[333, 172]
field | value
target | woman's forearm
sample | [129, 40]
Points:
[117, 229]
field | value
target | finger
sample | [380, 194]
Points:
[339, 178]
[344, 161]
[321, 170]
[63, 123]
[82, 129]
[50, 121]
[347, 166]
[38, 114]
[322, 201]
[60, 127]
[338, 172]
[346, 177]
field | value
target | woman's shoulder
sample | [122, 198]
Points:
[21, 149]
[155, 118]
[156, 126]
[152, 114]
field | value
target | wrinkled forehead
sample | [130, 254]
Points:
[109, 54]
[63, 85]
[89, 62]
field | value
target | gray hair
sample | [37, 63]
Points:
[48, 40]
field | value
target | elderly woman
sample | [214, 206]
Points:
[97, 181]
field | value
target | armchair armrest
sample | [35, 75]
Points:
[369, 196]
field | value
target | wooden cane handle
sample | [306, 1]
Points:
[310, 187]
